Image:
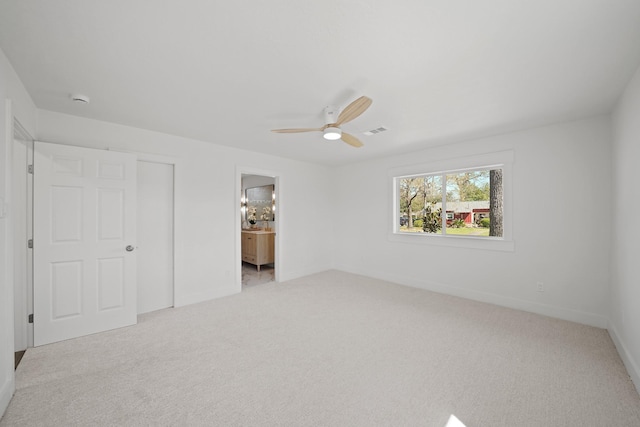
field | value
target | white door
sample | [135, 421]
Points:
[84, 240]
[155, 236]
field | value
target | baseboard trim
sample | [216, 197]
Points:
[518, 304]
[6, 393]
[220, 292]
[632, 367]
[296, 274]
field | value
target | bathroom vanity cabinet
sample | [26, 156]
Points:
[258, 247]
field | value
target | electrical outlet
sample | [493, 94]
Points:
[540, 286]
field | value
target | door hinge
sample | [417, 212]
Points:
[31, 318]
[30, 243]
[30, 169]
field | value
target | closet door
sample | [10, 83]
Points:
[155, 236]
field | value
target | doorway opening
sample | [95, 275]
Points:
[258, 229]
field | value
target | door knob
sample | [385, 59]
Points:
[129, 248]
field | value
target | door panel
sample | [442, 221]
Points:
[110, 214]
[111, 285]
[84, 218]
[66, 289]
[66, 220]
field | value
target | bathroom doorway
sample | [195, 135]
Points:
[258, 229]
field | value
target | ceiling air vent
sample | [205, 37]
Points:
[376, 130]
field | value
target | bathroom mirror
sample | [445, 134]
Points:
[260, 203]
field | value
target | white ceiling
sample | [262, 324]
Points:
[227, 72]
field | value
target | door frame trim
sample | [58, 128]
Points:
[277, 177]
[24, 298]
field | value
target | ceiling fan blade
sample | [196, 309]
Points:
[296, 130]
[353, 110]
[351, 140]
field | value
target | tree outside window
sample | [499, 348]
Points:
[468, 203]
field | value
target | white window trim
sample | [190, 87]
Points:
[502, 159]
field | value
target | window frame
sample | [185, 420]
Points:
[499, 160]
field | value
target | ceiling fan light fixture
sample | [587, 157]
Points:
[331, 130]
[332, 133]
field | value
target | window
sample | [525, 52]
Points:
[468, 205]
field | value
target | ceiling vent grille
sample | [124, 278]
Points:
[376, 130]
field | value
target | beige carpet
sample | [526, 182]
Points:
[332, 349]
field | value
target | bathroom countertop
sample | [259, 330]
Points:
[248, 230]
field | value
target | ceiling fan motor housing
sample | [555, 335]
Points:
[330, 115]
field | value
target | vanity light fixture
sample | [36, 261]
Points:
[332, 133]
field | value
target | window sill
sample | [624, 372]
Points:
[484, 243]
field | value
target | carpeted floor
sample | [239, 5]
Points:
[331, 349]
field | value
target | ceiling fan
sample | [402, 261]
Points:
[331, 130]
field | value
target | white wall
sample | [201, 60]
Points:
[625, 290]
[206, 211]
[561, 194]
[6, 292]
[14, 102]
